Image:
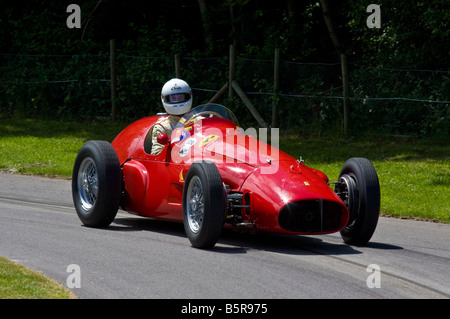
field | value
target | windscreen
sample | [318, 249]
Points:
[208, 110]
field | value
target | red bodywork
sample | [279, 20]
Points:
[268, 190]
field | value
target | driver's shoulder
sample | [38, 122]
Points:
[162, 119]
[163, 122]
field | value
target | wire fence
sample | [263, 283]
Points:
[310, 96]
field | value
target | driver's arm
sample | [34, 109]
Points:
[157, 147]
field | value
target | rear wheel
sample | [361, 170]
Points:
[359, 189]
[96, 184]
[204, 203]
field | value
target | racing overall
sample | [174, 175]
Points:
[163, 125]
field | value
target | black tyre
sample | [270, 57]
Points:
[96, 184]
[359, 188]
[204, 204]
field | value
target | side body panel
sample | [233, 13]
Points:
[131, 137]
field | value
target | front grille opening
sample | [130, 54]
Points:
[311, 216]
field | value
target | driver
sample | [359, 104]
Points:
[176, 97]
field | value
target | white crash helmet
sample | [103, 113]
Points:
[176, 97]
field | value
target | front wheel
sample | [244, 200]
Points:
[96, 184]
[204, 204]
[359, 189]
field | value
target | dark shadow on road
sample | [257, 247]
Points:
[232, 242]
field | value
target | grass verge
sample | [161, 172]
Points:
[47, 147]
[19, 282]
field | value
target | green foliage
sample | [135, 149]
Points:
[413, 34]
[49, 70]
[55, 86]
[400, 101]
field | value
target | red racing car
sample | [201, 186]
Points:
[211, 174]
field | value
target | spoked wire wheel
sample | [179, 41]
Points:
[87, 182]
[96, 184]
[204, 204]
[195, 205]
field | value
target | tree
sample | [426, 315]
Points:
[330, 26]
[413, 34]
[207, 33]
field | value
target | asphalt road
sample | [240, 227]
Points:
[144, 258]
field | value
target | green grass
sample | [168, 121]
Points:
[18, 282]
[414, 173]
[47, 147]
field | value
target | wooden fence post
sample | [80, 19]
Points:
[249, 105]
[276, 87]
[232, 70]
[219, 94]
[232, 85]
[345, 91]
[177, 66]
[112, 58]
